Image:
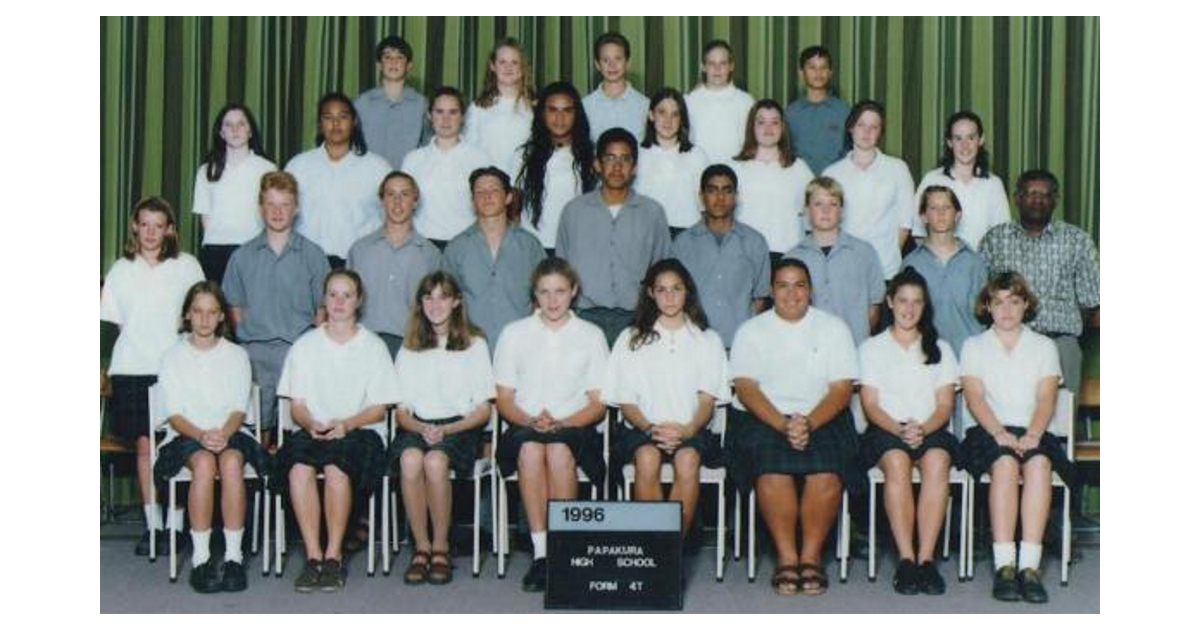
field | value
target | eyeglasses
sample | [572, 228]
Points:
[616, 158]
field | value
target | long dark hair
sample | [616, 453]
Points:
[421, 335]
[750, 144]
[981, 159]
[929, 335]
[646, 314]
[535, 153]
[215, 158]
[358, 142]
[650, 138]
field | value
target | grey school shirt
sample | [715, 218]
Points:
[278, 295]
[390, 275]
[730, 272]
[846, 282]
[392, 128]
[818, 130]
[498, 289]
[611, 255]
[953, 287]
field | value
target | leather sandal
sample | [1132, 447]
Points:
[786, 580]
[440, 569]
[813, 580]
[418, 568]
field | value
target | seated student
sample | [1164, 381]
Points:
[446, 388]
[226, 189]
[393, 113]
[556, 162]
[790, 429]
[615, 102]
[718, 108]
[729, 259]
[846, 277]
[908, 380]
[441, 169]
[142, 294]
[392, 260]
[205, 383]
[772, 179]
[667, 372]
[339, 378]
[549, 373]
[1010, 377]
[494, 258]
[879, 188]
[500, 118]
[670, 165]
[817, 118]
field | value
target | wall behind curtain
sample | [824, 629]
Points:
[1034, 81]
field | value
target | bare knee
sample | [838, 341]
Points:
[1037, 471]
[647, 460]
[896, 466]
[935, 465]
[687, 465]
[232, 463]
[412, 464]
[334, 477]
[560, 459]
[532, 457]
[825, 486]
[302, 474]
[1005, 469]
[437, 466]
[203, 465]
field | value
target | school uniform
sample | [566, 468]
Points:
[718, 120]
[731, 270]
[562, 184]
[339, 200]
[879, 203]
[231, 205]
[393, 128]
[500, 130]
[984, 204]
[771, 200]
[627, 110]
[444, 178]
[390, 275]
[672, 178]
[846, 281]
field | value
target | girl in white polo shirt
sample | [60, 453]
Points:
[446, 388]
[339, 378]
[667, 372]
[550, 370]
[1010, 377]
[718, 108]
[908, 380]
[142, 294]
[500, 118]
[669, 167]
[205, 384]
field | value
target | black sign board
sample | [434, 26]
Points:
[604, 555]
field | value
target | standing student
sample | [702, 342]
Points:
[1010, 377]
[446, 388]
[964, 168]
[556, 162]
[550, 370]
[771, 179]
[393, 113]
[611, 236]
[667, 373]
[670, 165]
[908, 381]
[729, 260]
[142, 294]
[494, 259]
[817, 118]
[205, 384]
[717, 107]
[441, 169]
[878, 187]
[339, 181]
[226, 189]
[500, 118]
[339, 378]
[392, 260]
[615, 102]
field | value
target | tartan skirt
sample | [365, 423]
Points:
[462, 448]
[173, 455]
[875, 442]
[755, 449]
[979, 450]
[629, 440]
[585, 444]
[129, 406]
[359, 455]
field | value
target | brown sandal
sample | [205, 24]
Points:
[786, 580]
[813, 580]
[418, 568]
[441, 571]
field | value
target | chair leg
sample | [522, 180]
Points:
[871, 530]
[964, 538]
[844, 538]
[737, 524]
[395, 523]
[721, 531]
[384, 539]
[371, 535]
[751, 551]
[254, 522]
[266, 528]
[1066, 534]
[171, 524]
[502, 525]
[946, 527]
[970, 529]
[475, 530]
[280, 542]
[495, 515]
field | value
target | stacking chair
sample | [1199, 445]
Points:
[842, 551]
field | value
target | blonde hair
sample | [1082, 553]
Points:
[829, 185]
[170, 243]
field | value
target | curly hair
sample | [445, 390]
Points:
[646, 313]
[536, 153]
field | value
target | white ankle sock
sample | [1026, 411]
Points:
[153, 516]
[1004, 554]
[175, 519]
[233, 545]
[200, 552]
[1031, 555]
[539, 544]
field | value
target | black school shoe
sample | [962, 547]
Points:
[206, 578]
[310, 578]
[162, 544]
[1004, 585]
[333, 576]
[929, 580]
[1030, 582]
[535, 579]
[233, 577]
[905, 580]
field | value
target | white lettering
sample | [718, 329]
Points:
[641, 563]
[602, 586]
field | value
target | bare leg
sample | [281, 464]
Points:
[531, 476]
[1002, 498]
[233, 488]
[145, 483]
[306, 503]
[337, 509]
[1035, 500]
[437, 482]
[412, 489]
[779, 508]
[931, 511]
[686, 488]
[647, 465]
[898, 499]
[564, 484]
[200, 496]
[818, 512]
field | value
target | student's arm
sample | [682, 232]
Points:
[756, 402]
[304, 419]
[834, 401]
[591, 412]
[701, 417]
[634, 416]
[506, 404]
[214, 440]
[476, 418]
[944, 398]
[876, 414]
[974, 393]
[1043, 411]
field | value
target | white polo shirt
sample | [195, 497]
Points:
[718, 120]
[500, 130]
[204, 386]
[984, 204]
[338, 380]
[793, 362]
[444, 178]
[907, 387]
[145, 302]
[562, 185]
[231, 203]
[878, 204]
[1010, 379]
[771, 200]
[437, 383]
[551, 369]
[673, 180]
[339, 201]
[664, 377]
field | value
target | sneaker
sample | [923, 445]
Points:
[1004, 585]
[535, 579]
[206, 578]
[929, 580]
[333, 576]
[143, 544]
[310, 578]
[905, 580]
[1030, 583]
[233, 577]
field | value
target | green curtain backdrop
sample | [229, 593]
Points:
[1033, 80]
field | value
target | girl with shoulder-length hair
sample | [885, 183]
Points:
[499, 120]
[669, 165]
[771, 179]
